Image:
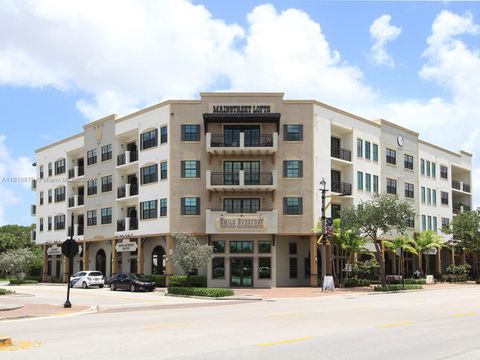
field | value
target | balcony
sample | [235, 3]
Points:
[127, 191]
[221, 222]
[80, 230]
[241, 181]
[76, 172]
[459, 208]
[218, 144]
[461, 186]
[127, 224]
[33, 210]
[342, 154]
[33, 185]
[127, 158]
[121, 225]
[75, 201]
[342, 188]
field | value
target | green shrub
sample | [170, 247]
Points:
[415, 281]
[452, 278]
[34, 277]
[188, 281]
[194, 291]
[23, 282]
[398, 287]
[159, 280]
[458, 269]
[477, 281]
[349, 283]
[6, 292]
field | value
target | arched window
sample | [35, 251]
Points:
[158, 261]
[101, 261]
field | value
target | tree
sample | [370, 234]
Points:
[425, 241]
[189, 254]
[405, 244]
[348, 240]
[379, 217]
[17, 261]
[466, 230]
[14, 237]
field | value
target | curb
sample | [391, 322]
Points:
[216, 298]
[92, 309]
[6, 307]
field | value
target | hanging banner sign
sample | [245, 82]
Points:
[54, 250]
[126, 246]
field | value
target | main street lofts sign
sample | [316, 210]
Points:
[241, 109]
[241, 223]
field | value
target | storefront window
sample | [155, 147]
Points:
[218, 268]
[264, 247]
[218, 246]
[241, 246]
[264, 268]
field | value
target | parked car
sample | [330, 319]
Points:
[85, 279]
[132, 282]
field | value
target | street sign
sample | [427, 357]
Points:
[126, 246]
[70, 248]
[54, 250]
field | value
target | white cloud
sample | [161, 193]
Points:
[382, 32]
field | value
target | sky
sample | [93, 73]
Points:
[66, 63]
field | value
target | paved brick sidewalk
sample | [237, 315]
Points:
[36, 310]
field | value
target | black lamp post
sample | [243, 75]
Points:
[323, 189]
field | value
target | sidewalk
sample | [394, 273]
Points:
[39, 310]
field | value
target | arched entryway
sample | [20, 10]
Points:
[101, 261]
[158, 260]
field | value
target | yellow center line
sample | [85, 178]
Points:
[165, 326]
[286, 314]
[465, 314]
[286, 341]
[391, 325]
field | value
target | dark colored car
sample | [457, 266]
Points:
[132, 282]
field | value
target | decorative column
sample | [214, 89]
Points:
[86, 257]
[114, 267]
[66, 269]
[140, 256]
[313, 261]
[45, 264]
[438, 261]
[453, 254]
[169, 265]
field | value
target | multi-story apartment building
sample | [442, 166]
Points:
[241, 171]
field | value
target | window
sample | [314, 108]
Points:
[218, 268]
[428, 168]
[434, 226]
[411, 222]
[429, 196]
[148, 209]
[218, 246]
[163, 207]
[422, 167]
[149, 174]
[424, 222]
[59, 222]
[375, 184]
[41, 171]
[163, 135]
[241, 247]
[264, 247]
[429, 218]
[444, 197]
[92, 187]
[359, 180]
[107, 183]
[91, 217]
[443, 172]
[375, 152]
[367, 150]
[434, 170]
[190, 132]
[293, 168]
[264, 268]
[391, 157]
[190, 169]
[408, 162]
[149, 139]
[368, 182]
[41, 197]
[292, 248]
[163, 170]
[91, 157]
[49, 223]
[106, 215]
[49, 196]
[391, 186]
[41, 224]
[59, 166]
[293, 269]
[359, 148]
[434, 197]
[50, 169]
[336, 211]
[106, 152]
[445, 223]
[190, 206]
[409, 190]
[292, 206]
[60, 194]
[423, 194]
[293, 132]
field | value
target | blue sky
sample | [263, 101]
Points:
[413, 63]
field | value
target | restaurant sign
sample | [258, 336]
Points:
[225, 223]
[241, 109]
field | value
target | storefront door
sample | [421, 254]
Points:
[241, 272]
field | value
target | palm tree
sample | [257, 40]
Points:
[405, 244]
[424, 241]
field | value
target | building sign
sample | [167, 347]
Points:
[241, 109]
[54, 250]
[126, 246]
[241, 223]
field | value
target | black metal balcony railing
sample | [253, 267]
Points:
[342, 154]
[220, 178]
[121, 225]
[71, 173]
[81, 171]
[466, 187]
[133, 189]
[466, 208]
[80, 229]
[342, 188]
[80, 200]
[133, 224]
[456, 208]
[264, 140]
[121, 193]
[121, 159]
[133, 156]
[71, 202]
[253, 178]
[250, 178]
[456, 184]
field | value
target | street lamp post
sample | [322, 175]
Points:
[323, 189]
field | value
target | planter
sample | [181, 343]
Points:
[20, 275]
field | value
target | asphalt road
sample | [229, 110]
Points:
[438, 324]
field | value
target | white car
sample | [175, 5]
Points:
[85, 279]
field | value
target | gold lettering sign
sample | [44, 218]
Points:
[241, 223]
[241, 109]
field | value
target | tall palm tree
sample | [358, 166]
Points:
[424, 241]
[405, 244]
